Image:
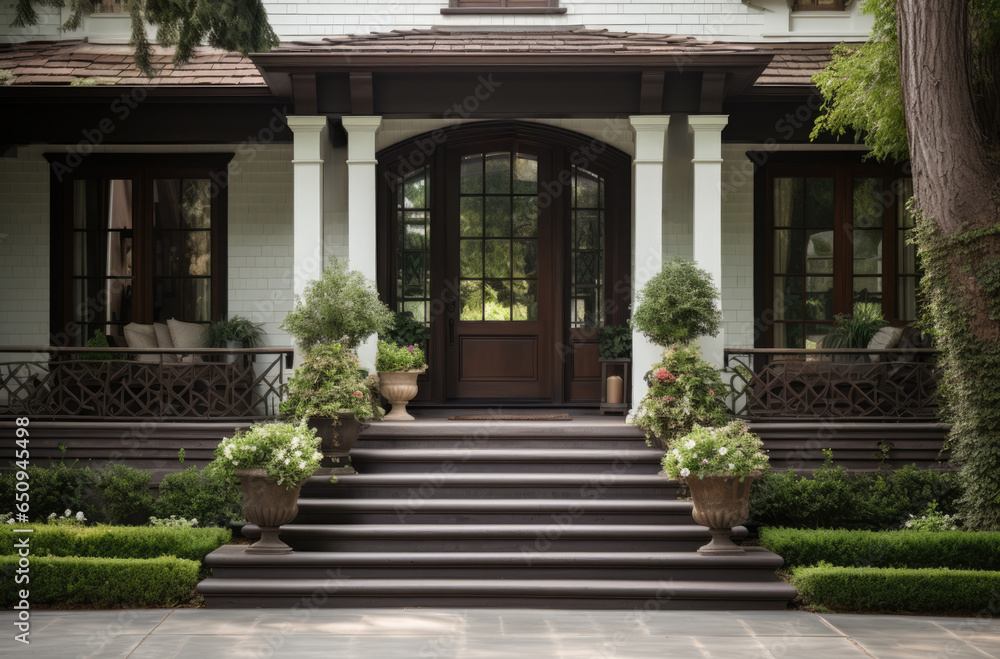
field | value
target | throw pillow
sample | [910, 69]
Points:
[142, 336]
[188, 335]
[884, 339]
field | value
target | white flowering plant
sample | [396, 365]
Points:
[174, 521]
[289, 452]
[68, 518]
[729, 450]
[932, 520]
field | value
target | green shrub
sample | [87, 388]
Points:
[103, 582]
[117, 541]
[958, 550]
[212, 500]
[891, 589]
[394, 358]
[340, 307]
[406, 331]
[238, 329]
[832, 498]
[856, 330]
[56, 489]
[614, 342]
[678, 304]
[125, 497]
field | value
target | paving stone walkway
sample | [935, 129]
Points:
[489, 633]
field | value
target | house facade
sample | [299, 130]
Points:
[508, 172]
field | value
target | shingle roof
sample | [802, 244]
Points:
[62, 62]
[467, 42]
[795, 63]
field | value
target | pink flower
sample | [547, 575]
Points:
[704, 462]
[668, 399]
[664, 375]
[410, 348]
[358, 394]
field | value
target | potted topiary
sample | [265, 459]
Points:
[340, 307]
[675, 307]
[271, 461]
[330, 393]
[718, 465]
[398, 368]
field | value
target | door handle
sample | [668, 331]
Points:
[451, 306]
[451, 331]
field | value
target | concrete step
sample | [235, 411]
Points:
[525, 538]
[506, 460]
[230, 562]
[493, 511]
[338, 592]
[448, 485]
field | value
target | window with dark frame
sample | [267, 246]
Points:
[503, 7]
[819, 5]
[136, 239]
[504, 3]
[836, 239]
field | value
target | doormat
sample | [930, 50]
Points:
[512, 417]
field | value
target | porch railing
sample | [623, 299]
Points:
[845, 384]
[104, 384]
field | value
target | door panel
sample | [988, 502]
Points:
[499, 244]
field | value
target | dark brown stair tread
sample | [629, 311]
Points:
[500, 505]
[511, 454]
[498, 480]
[493, 531]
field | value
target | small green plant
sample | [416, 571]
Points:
[932, 519]
[394, 358]
[180, 455]
[238, 329]
[97, 341]
[341, 307]
[67, 519]
[174, 522]
[62, 450]
[289, 453]
[406, 331]
[124, 492]
[678, 305]
[856, 330]
[615, 341]
[328, 382]
[730, 450]
[684, 391]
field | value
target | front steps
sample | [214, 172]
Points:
[542, 515]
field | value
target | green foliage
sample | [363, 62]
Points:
[730, 450]
[97, 341]
[684, 391]
[891, 589]
[329, 381]
[124, 491]
[238, 329]
[678, 305]
[102, 582]
[932, 520]
[289, 453]
[961, 291]
[55, 489]
[615, 341]
[833, 499]
[406, 331]
[857, 330]
[861, 88]
[393, 358]
[233, 25]
[957, 550]
[205, 496]
[341, 307]
[117, 541]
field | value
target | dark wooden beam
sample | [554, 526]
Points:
[304, 93]
[713, 92]
[362, 95]
[651, 93]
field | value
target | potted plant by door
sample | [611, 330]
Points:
[235, 333]
[271, 461]
[718, 465]
[398, 368]
[330, 393]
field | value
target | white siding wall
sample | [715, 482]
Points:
[309, 19]
[260, 239]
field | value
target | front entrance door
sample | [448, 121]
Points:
[499, 259]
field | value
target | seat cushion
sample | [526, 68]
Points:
[164, 341]
[884, 339]
[142, 336]
[188, 335]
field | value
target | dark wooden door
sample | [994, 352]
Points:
[499, 265]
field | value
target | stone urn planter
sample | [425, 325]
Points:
[720, 503]
[338, 440]
[268, 505]
[399, 388]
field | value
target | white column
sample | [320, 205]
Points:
[361, 175]
[650, 139]
[707, 129]
[307, 167]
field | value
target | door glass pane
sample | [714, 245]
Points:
[867, 246]
[819, 298]
[182, 250]
[868, 206]
[819, 252]
[472, 174]
[818, 203]
[497, 272]
[413, 243]
[587, 250]
[788, 298]
[788, 194]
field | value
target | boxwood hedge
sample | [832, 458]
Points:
[118, 541]
[958, 550]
